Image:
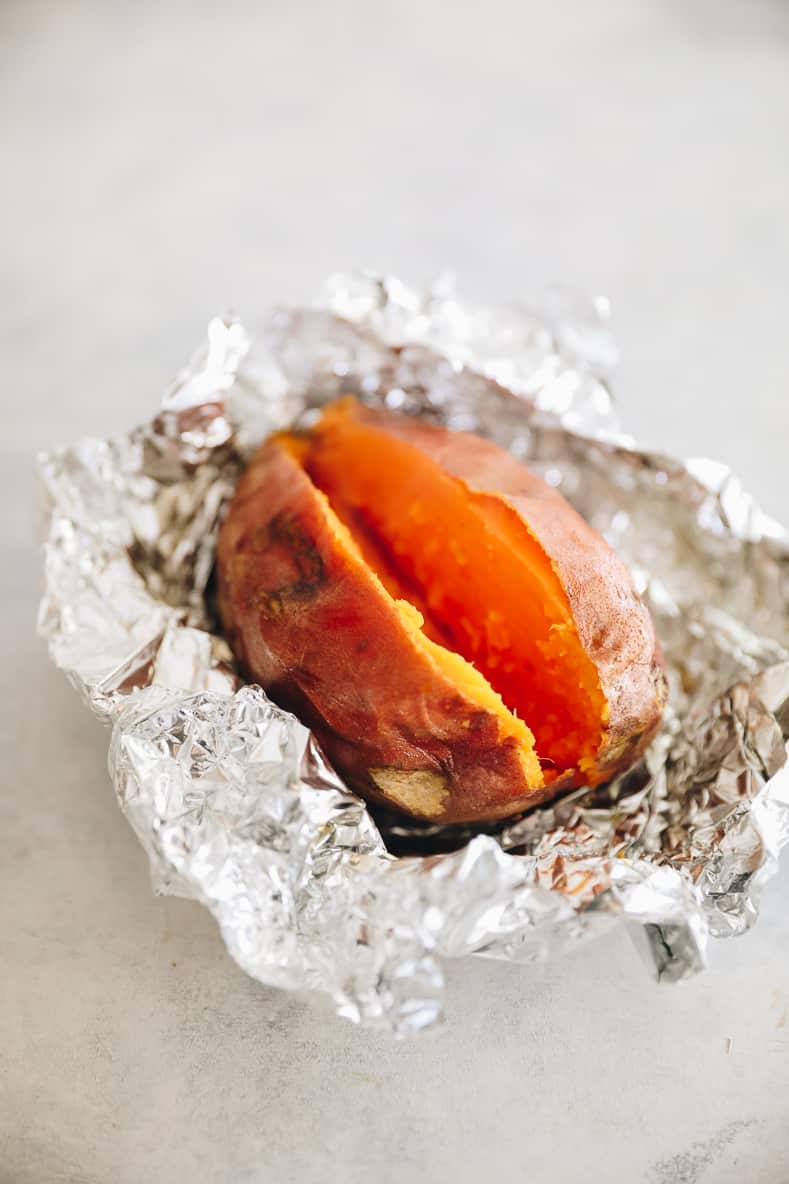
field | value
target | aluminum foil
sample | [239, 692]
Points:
[231, 797]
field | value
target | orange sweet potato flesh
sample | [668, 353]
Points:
[462, 642]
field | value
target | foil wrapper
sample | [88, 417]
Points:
[231, 797]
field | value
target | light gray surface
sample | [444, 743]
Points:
[164, 161]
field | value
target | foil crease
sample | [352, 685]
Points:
[232, 798]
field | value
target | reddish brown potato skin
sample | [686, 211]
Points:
[310, 626]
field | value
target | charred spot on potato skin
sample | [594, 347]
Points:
[274, 603]
[286, 531]
[479, 721]
[479, 728]
[271, 604]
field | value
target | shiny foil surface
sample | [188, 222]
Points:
[231, 797]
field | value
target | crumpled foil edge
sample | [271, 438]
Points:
[231, 797]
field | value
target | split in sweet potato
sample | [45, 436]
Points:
[463, 643]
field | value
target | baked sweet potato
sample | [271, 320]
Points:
[461, 641]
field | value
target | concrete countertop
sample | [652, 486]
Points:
[165, 161]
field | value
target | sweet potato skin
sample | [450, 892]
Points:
[306, 621]
[309, 626]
